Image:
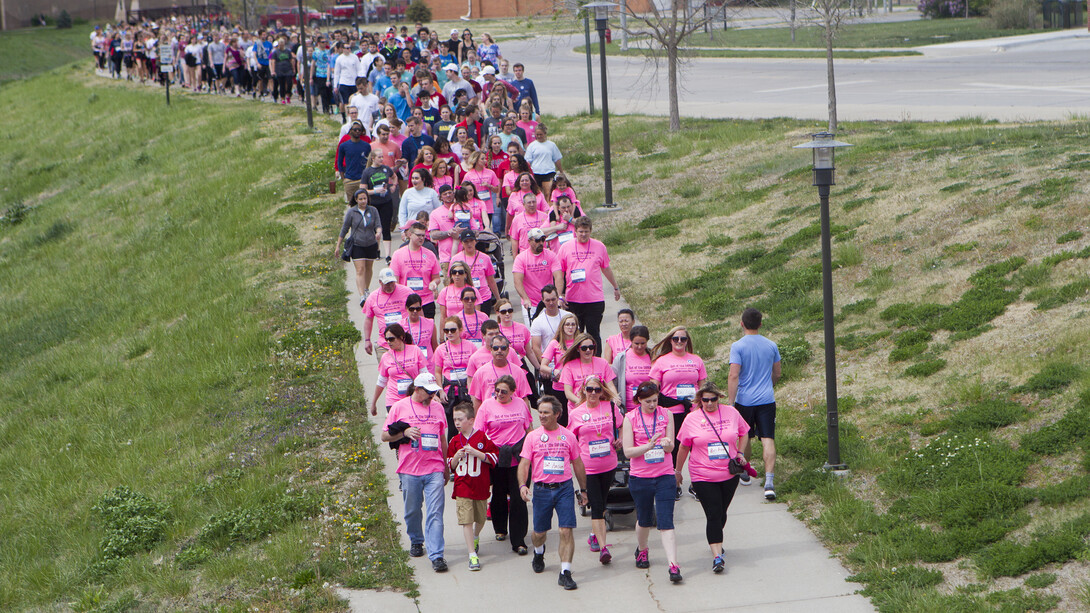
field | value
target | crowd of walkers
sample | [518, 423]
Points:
[446, 168]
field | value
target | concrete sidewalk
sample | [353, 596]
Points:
[774, 563]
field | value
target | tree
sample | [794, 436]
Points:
[831, 13]
[669, 25]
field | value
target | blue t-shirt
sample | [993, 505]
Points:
[756, 355]
[321, 63]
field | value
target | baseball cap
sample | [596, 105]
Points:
[451, 66]
[535, 233]
[466, 235]
[386, 276]
[488, 70]
[454, 30]
[426, 380]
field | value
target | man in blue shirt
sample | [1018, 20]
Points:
[415, 141]
[754, 369]
[525, 87]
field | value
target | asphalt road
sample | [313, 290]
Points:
[1039, 76]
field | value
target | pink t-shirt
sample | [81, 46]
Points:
[595, 430]
[536, 270]
[446, 220]
[679, 377]
[505, 424]
[481, 269]
[577, 371]
[483, 355]
[514, 202]
[523, 223]
[708, 460]
[637, 369]
[550, 454]
[397, 369]
[438, 182]
[507, 183]
[387, 309]
[451, 298]
[567, 191]
[483, 179]
[653, 463]
[482, 383]
[518, 335]
[553, 353]
[618, 344]
[471, 326]
[582, 264]
[451, 359]
[423, 332]
[416, 270]
[424, 456]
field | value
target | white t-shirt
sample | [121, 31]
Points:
[368, 106]
[544, 327]
[542, 157]
[346, 69]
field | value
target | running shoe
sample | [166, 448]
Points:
[474, 562]
[675, 573]
[488, 512]
[718, 564]
[593, 542]
[605, 557]
[692, 493]
[642, 559]
[770, 492]
[745, 480]
[501, 537]
[416, 550]
[521, 550]
[439, 565]
[677, 495]
[538, 563]
[565, 581]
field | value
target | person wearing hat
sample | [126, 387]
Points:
[481, 271]
[490, 81]
[456, 83]
[453, 42]
[351, 159]
[388, 306]
[421, 465]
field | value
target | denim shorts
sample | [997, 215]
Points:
[654, 495]
[546, 499]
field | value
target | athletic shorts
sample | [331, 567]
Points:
[545, 177]
[364, 253]
[470, 511]
[346, 92]
[218, 69]
[761, 419]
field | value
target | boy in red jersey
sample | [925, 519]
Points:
[471, 456]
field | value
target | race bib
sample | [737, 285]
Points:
[392, 318]
[461, 219]
[484, 195]
[553, 465]
[717, 451]
[686, 391]
[476, 281]
[403, 386]
[423, 350]
[599, 448]
[654, 455]
[458, 374]
[564, 237]
[478, 343]
[578, 275]
[429, 442]
[416, 283]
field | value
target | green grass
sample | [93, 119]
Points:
[32, 51]
[840, 54]
[150, 421]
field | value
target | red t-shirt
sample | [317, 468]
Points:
[472, 476]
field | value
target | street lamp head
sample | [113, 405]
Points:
[601, 9]
[823, 144]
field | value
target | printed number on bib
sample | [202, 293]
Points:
[578, 275]
[484, 195]
[553, 465]
[458, 374]
[716, 451]
[655, 455]
[403, 386]
[599, 448]
[686, 391]
[476, 281]
[565, 237]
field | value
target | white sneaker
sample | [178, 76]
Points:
[745, 479]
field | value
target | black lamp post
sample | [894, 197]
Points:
[601, 19]
[823, 145]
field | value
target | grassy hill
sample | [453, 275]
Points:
[30, 51]
[180, 416]
[961, 294]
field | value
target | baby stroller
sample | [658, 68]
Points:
[491, 244]
[619, 499]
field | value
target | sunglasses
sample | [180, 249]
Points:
[416, 308]
[450, 330]
[507, 311]
[537, 240]
[431, 393]
[594, 390]
[390, 339]
[586, 348]
[469, 299]
[502, 390]
[679, 339]
[499, 349]
[458, 272]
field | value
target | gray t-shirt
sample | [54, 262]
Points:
[217, 52]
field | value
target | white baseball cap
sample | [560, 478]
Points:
[426, 380]
[451, 66]
[386, 276]
[488, 70]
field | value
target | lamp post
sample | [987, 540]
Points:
[601, 19]
[306, 66]
[823, 145]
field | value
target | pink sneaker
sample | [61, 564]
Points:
[605, 556]
[593, 542]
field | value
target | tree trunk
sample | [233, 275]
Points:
[671, 63]
[793, 26]
[830, 77]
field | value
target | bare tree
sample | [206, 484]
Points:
[831, 13]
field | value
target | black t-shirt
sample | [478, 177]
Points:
[372, 177]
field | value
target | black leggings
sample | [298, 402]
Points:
[282, 87]
[678, 419]
[510, 519]
[590, 320]
[386, 216]
[715, 497]
[598, 492]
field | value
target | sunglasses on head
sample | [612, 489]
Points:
[594, 389]
[679, 339]
[586, 347]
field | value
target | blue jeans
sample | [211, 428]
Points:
[499, 218]
[418, 491]
[653, 496]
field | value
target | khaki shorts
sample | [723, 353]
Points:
[470, 511]
[350, 188]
